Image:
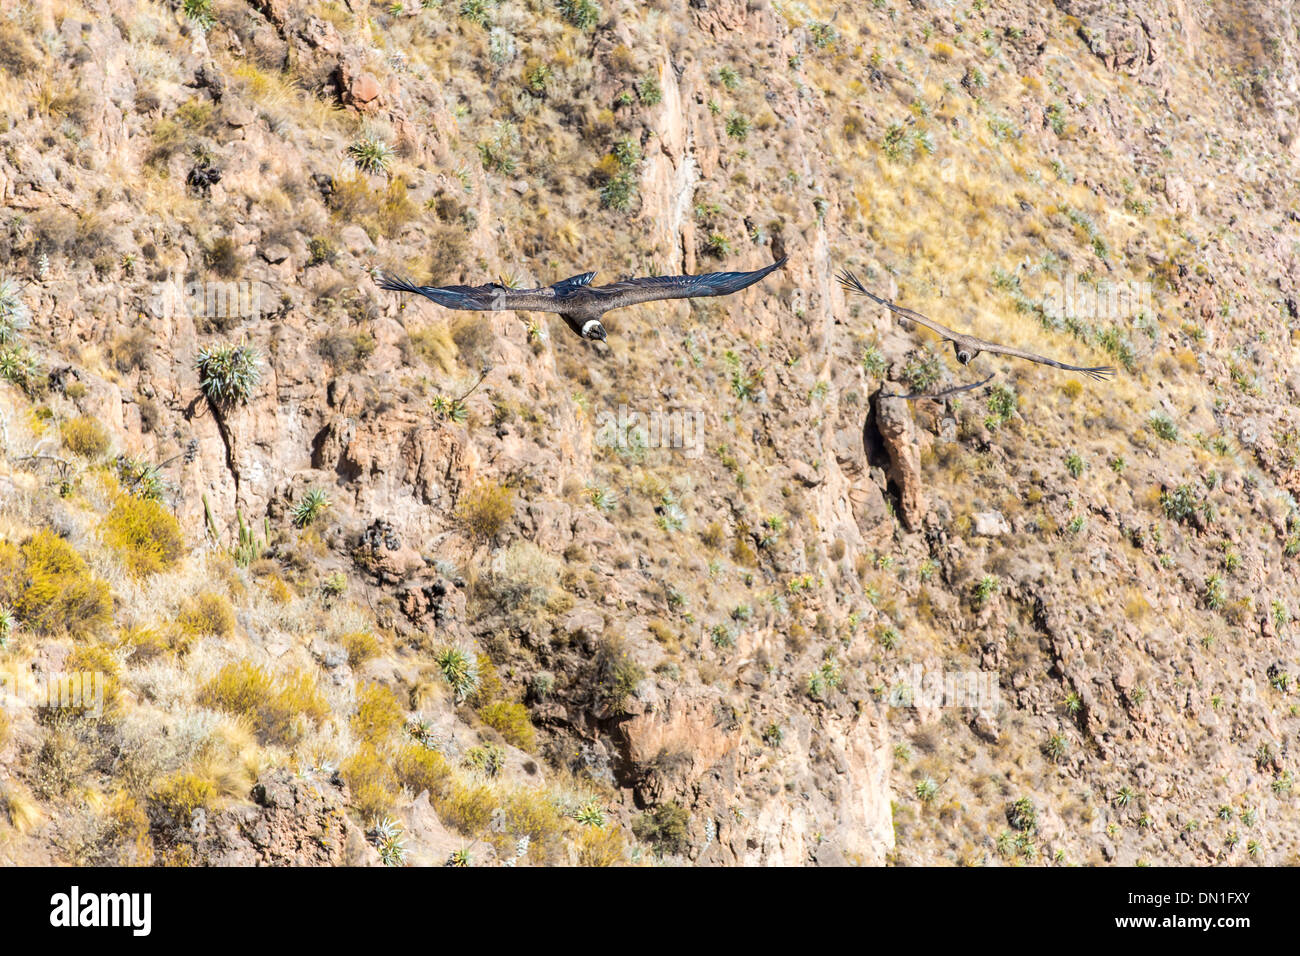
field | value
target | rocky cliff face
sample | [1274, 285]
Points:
[711, 630]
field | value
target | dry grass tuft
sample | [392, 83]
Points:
[277, 708]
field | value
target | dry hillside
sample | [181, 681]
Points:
[373, 581]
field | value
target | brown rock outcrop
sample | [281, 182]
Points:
[292, 821]
[894, 421]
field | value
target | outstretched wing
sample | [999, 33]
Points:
[651, 288]
[481, 298]
[1098, 373]
[851, 284]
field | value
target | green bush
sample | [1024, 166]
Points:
[583, 14]
[922, 372]
[1002, 402]
[21, 367]
[617, 674]
[199, 12]
[666, 828]
[649, 90]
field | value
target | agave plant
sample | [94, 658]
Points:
[602, 498]
[421, 731]
[455, 408]
[450, 408]
[724, 635]
[310, 507]
[671, 515]
[370, 154]
[140, 478]
[460, 669]
[14, 313]
[20, 366]
[387, 836]
[7, 626]
[228, 374]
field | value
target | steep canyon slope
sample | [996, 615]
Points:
[521, 631]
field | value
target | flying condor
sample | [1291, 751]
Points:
[577, 301]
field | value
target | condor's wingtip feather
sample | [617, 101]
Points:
[850, 283]
[397, 284]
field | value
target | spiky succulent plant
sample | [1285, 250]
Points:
[310, 507]
[14, 313]
[228, 374]
[387, 837]
[370, 154]
[460, 668]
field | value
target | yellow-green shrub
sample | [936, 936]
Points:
[207, 613]
[468, 809]
[361, 646]
[50, 588]
[277, 588]
[142, 643]
[513, 722]
[274, 707]
[601, 846]
[489, 686]
[434, 344]
[530, 811]
[369, 776]
[128, 829]
[379, 714]
[419, 768]
[484, 509]
[97, 659]
[182, 793]
[144, 533]
[84, 436]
